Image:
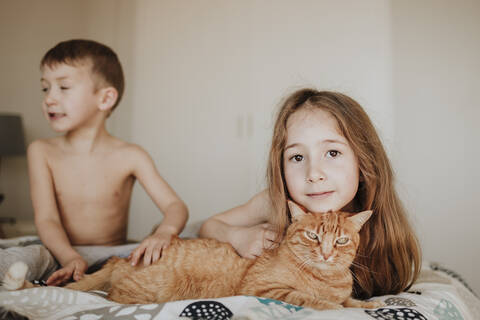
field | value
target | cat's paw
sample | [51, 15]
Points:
[354, 303]
[15, 276]
[373, 304]
[336, 306]
[326, 305]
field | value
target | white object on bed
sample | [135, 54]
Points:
[15, 278]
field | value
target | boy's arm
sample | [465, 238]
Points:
[47, 217]
[173, 208]
[245, 227]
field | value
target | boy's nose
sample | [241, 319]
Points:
[49, 99]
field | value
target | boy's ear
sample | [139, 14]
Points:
[295, 211]
[108, 97]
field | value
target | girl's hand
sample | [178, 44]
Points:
[151, 249]
[251, 241]
[75, 268]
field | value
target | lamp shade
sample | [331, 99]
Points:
[12, 140]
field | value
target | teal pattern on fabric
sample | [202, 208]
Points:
[270, 309]
[289, 307]
[446, 310]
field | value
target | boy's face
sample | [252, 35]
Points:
[70, 99]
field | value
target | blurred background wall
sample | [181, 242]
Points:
[204, 79]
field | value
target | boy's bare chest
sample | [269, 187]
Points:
[90, 180]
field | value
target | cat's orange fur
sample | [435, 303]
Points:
[309, 268]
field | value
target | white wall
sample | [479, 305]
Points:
[436, 47]
[209, 75]
[204, 79]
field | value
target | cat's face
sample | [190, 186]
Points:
[325, 240]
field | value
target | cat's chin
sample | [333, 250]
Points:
[328, 265]
[324, 265]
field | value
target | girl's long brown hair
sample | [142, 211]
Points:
[388, 259]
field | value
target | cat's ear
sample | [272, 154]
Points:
[295, 211]
[360, 218]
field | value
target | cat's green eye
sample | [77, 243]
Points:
[342, 240]
[311, 235]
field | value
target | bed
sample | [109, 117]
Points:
[438, 294]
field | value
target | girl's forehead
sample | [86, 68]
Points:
[313, 123]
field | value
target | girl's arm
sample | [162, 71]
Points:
[174, 210]
[245, 227]
[47, 217]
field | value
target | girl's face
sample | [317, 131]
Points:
[321, 170]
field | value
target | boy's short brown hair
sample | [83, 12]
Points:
[105, 63]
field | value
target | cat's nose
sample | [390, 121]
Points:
[327, 255]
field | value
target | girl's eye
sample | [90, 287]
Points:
[342, 241]
[44, 89]
[332, 153]
[297, 158]
[311, 235]
[64, 88]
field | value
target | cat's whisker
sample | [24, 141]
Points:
[342, 261]
[343, 270]
[304, 264]
[363, 267]
[355, 280]
[354, 276]
[360, 266]
[310, 263]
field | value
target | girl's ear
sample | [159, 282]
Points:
[296, 212]
[359, 219]
[108, 97]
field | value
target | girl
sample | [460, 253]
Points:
[326, 155]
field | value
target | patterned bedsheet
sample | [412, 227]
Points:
[438, 294]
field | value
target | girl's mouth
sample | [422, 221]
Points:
[319, 195]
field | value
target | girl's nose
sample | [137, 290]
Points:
[314, 174]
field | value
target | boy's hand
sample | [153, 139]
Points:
[75, 268]
[251, 241]
[151, 249]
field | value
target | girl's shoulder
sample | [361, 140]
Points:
[255, 211]
[260, 205]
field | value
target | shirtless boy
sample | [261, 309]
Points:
[81, 182]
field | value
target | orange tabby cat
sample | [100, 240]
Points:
[309, 268]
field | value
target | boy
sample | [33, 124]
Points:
[81, 182]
